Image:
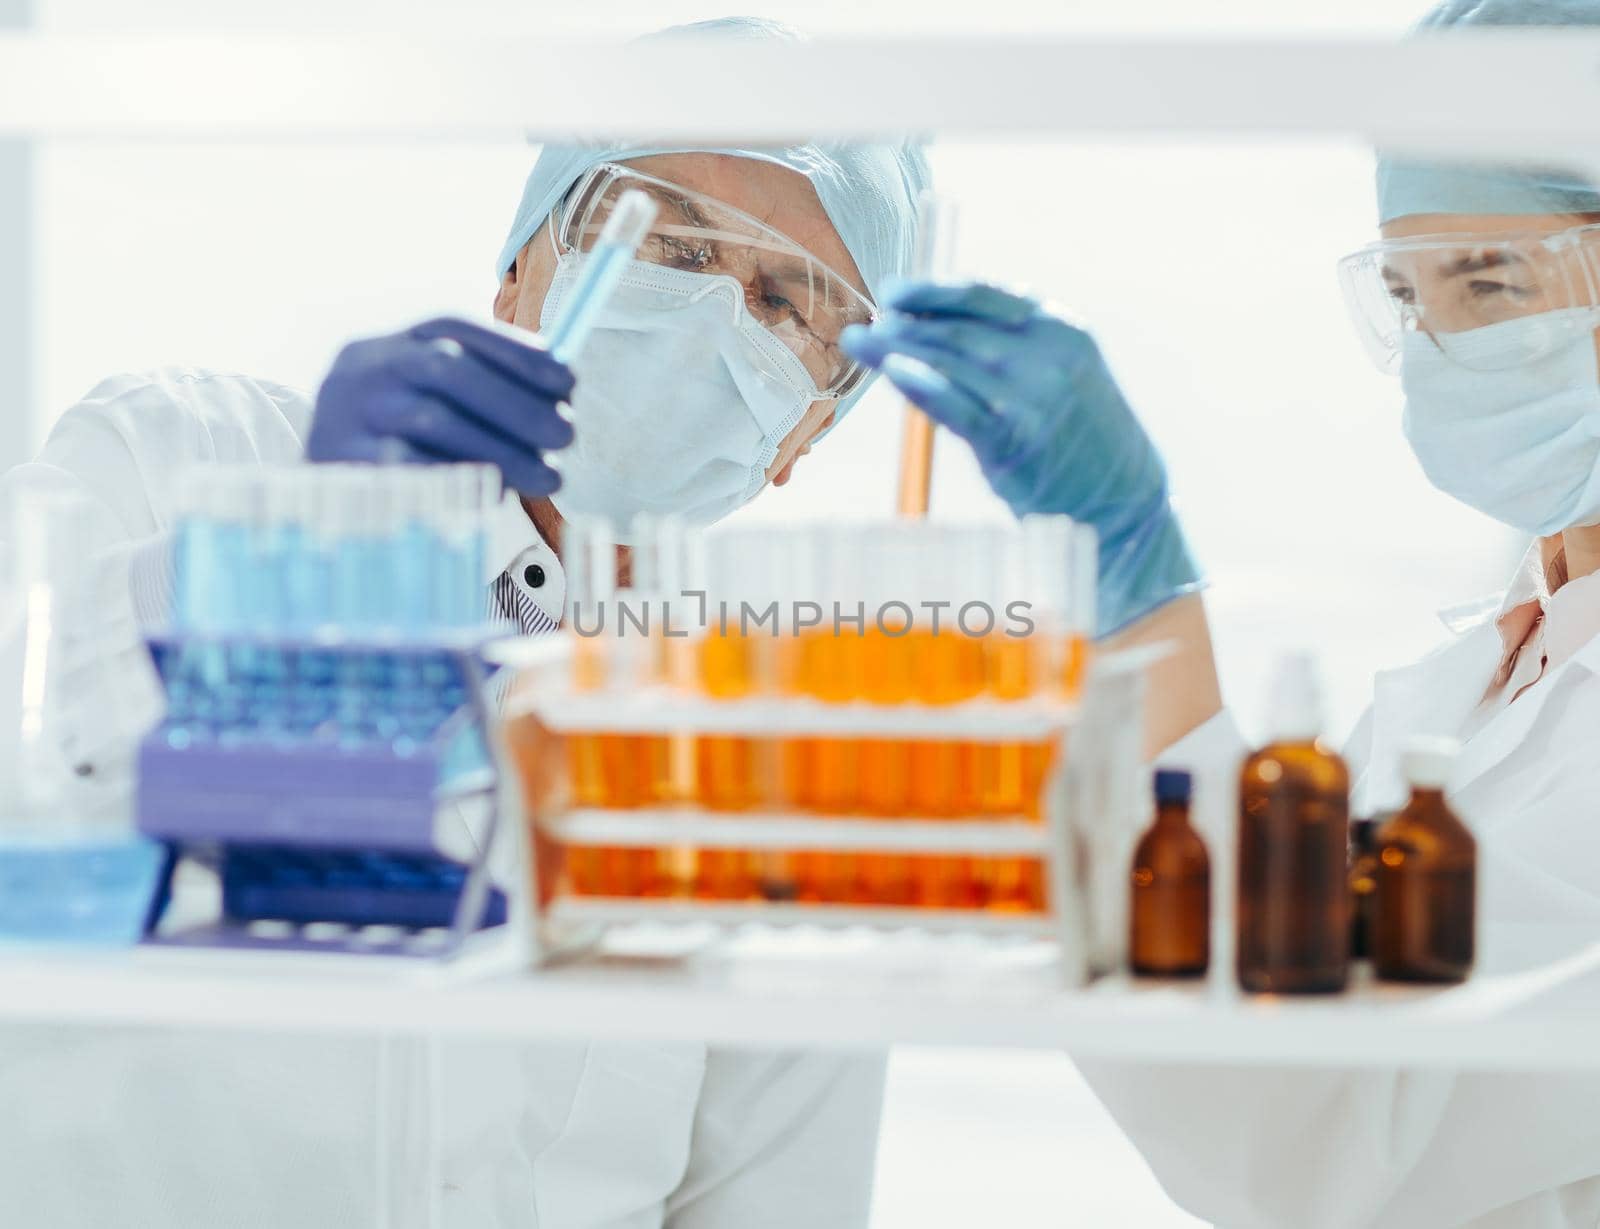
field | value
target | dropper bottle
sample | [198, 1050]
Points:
[1424, 909]
[1294, 821]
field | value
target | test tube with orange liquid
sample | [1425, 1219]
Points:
[1051, 567]
[890, 564]
[823, 774]
[666, 575]
[737, 773]
[607, 770]
[933, 257]
[948, 665]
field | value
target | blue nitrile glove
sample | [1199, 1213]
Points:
[1050, 428]
[446, 390]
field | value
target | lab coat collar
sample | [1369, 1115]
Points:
[514, 548]
[1572, 622]
[1437, 694]
[1513, 612]
[511, 533]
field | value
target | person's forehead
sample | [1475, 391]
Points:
[780, 196]
[1488, 225]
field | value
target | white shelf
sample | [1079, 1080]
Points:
[993, 87]
[617, 911]
[1532, 1005]
[785, 831]
[669, 712]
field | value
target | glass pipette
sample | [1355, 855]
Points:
[936, 231]
[619, 238]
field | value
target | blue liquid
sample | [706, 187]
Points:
[601, 270]
[76, 888]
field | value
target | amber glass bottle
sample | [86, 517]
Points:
[1363, 885]
[1170, 914]
[1424, 914]
[1294, 829]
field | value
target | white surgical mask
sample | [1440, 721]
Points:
[1520, 444]
[682, 399]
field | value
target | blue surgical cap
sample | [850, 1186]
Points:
[869, 191]
[1407, 187]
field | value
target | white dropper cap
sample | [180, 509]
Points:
[1294, 703]
[1427, 760]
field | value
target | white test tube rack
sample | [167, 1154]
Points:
[1090, 813]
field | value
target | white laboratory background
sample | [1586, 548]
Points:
[1206, 271]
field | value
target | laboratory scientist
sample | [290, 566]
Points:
[713, 371]
[1483, 294]
[718, 365]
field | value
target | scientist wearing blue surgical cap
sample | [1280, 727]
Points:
[711, 371]
[716, 365]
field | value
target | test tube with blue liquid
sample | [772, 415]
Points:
[602, 268]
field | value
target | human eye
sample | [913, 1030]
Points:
[1485, 288]
[677, 252]
[781, 306]
[771, 306]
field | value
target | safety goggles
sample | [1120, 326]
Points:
[800, 300]
[1447, 286]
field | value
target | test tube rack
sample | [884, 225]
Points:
[1092, 805]
[376, 846]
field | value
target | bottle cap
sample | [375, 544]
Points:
[1173, 785]
[1427, 761]
[1294, 704]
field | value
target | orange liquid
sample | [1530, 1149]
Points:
[1014, 885]
[888, 676]
[1012, 775]
[604, 870]
[1008, 885]
[1011, 673]
[782, 876]
[825, 773]
[728, 770]
[949, 668]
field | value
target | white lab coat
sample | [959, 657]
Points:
[1283, 1149]
[163, 1130]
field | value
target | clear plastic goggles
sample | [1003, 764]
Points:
[800, 300]
[1448, 286]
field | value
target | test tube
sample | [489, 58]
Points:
[198, 561]
[661, 563]
[467, 497]
[585, 541]
[315, 684]
[216, 551]
[730, 768]
[602, 268]
[831, 659]
[271, 667]
[660, 557]
[950, 670]
[932, 259]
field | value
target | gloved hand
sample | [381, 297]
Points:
[1047, 422]
[446, 390]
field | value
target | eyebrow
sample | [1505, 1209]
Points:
[682, 205]
[1494, 259]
